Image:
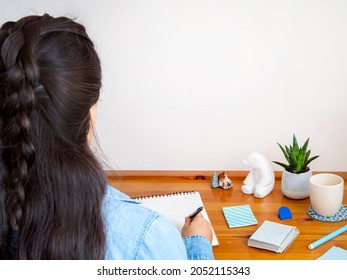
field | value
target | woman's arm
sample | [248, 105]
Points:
[163, 241]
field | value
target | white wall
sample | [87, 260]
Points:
[199, 84]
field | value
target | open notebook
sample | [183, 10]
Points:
[176, 206]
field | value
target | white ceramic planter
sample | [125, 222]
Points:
[296, 186]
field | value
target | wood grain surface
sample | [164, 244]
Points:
[233, 242]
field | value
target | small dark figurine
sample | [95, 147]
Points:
[224, 182]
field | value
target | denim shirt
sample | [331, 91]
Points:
[134, 232]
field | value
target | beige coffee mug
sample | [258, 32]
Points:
[326, 193]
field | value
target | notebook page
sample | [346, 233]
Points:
[175, 207]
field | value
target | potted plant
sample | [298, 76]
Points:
[295, 182]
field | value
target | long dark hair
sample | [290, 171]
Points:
[51, 184]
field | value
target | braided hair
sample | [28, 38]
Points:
[51, 184]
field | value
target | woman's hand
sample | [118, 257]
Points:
[197, 226]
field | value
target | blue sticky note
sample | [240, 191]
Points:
[334, 253]
[239, 216]
[284, 213]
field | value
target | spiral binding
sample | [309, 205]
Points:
[164, 195]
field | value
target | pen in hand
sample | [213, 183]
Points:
[196, 212]
[199, 226]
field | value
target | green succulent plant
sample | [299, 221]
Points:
[298, 158]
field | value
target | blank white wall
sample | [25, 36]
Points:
[200, 84]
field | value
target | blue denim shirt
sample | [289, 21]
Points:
[134, 232]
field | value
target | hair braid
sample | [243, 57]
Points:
[19, 74]
[50, 77]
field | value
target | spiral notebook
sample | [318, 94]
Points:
[176, 206]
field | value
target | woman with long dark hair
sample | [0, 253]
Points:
[54, 198]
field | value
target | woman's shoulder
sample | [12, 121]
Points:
[136, 232]
[119, 207]
[116, 194]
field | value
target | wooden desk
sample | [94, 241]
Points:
[233, 242]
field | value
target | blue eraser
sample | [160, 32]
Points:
[284, 213]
